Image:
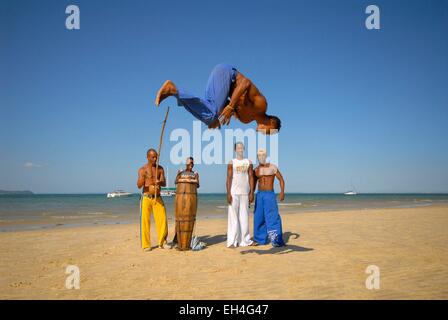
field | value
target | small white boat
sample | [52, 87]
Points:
[168, 192]
[118, 193]
[352, 192]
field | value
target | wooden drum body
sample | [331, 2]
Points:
[185, 208]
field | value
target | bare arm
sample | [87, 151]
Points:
[197, 178]
[241, 87]
[162, 180]
[141, 178]
[229, 182]
[282, 185]
[251, 182]
[255, 180]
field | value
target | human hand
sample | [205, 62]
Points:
[229, 198]
[226, 114]
[282, 196]
[142, 174]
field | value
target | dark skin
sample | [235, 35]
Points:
[247, 104]
[266, 183]
[147, 176]
[229, 183]
[188, 167]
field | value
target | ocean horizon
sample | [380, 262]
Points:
[53, 210]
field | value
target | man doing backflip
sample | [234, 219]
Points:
[228, 92]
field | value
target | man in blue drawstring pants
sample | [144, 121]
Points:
[228, 93]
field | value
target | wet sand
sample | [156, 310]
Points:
[326, 258]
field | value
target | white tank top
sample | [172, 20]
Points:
[240, 179]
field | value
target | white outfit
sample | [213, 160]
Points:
[238, 213]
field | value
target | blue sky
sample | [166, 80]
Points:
[369, 106]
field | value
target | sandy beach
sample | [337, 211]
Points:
[326, 258]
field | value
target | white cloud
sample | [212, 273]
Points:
[32, 165]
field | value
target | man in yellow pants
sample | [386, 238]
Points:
[151, 181]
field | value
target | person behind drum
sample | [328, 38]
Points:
[152, 201]
[267, 221]
[188, 176]
[239, 194]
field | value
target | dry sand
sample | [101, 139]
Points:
[326, 258]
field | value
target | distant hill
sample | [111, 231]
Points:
[15, 192]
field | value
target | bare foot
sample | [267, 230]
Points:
[167, 89]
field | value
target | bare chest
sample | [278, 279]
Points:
[248, 108]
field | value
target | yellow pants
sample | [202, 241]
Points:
[158, 208]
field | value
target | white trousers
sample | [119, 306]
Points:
[238, 221]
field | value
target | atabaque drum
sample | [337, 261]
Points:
[185, 207]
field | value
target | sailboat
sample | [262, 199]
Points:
[118, 193]
[352, 192]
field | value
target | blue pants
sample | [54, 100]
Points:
[267, 221]
[216, 94]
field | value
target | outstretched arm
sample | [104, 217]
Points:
[282, 185]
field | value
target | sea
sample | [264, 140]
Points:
[41, 211]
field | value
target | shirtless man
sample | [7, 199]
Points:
[228, 93]
[267, 221]
[150, 202]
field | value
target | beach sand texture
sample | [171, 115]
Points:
[326, 258]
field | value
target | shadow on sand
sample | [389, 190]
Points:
[221, 238]
[212, 240]
[281, 250]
